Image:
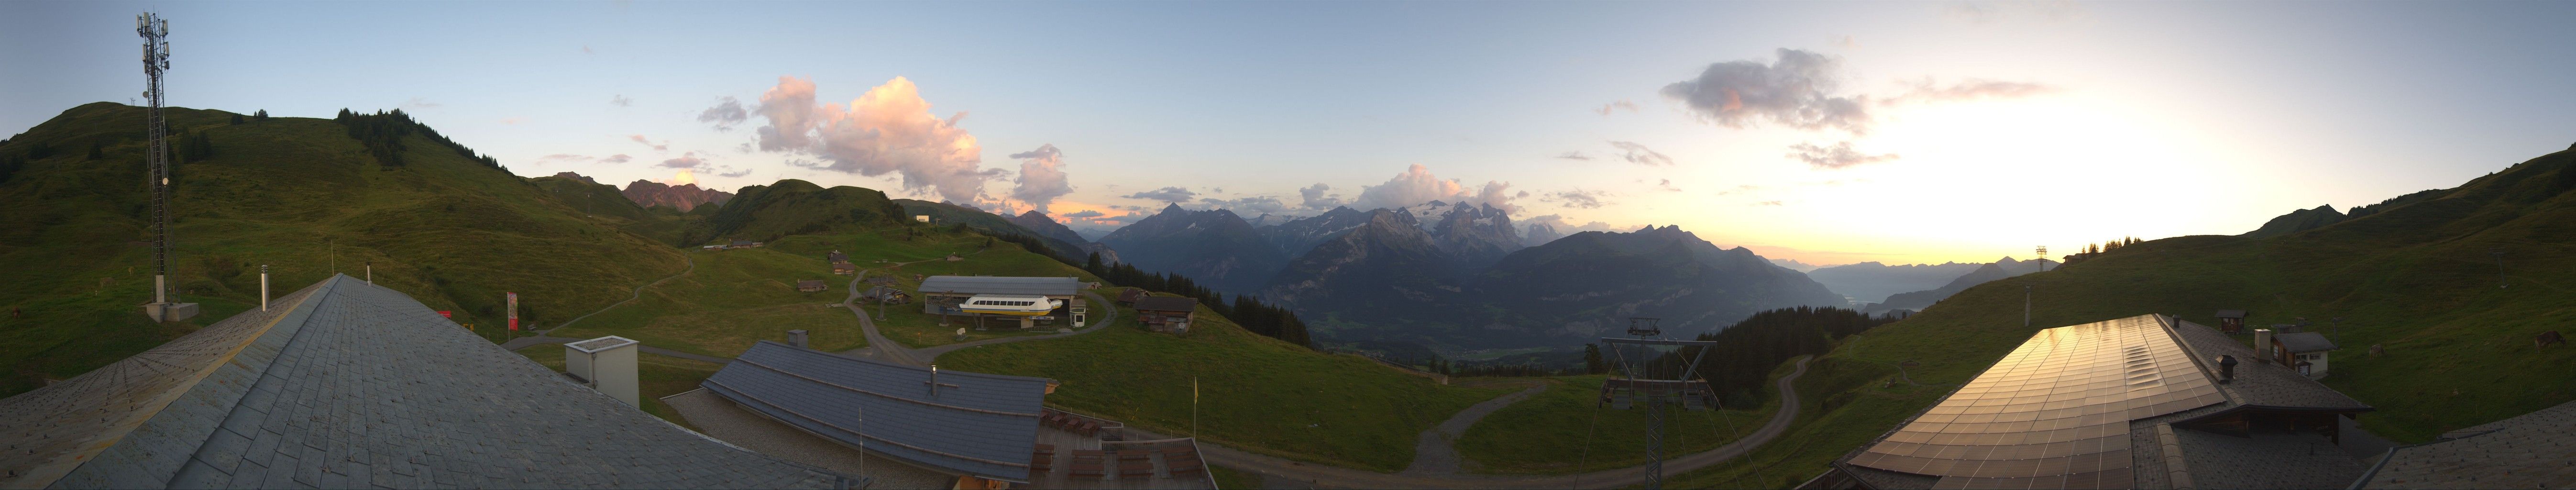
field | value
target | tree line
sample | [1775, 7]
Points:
[1254, 315]
[382, 132]
[1741, 362]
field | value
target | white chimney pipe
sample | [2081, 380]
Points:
[2263, 344]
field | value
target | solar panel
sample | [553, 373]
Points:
[2052, 414]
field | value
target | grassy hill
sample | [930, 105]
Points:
[1255, 393]
[298, 194]
[2415, 278]
[1561, 431]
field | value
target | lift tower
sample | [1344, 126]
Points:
[1629, 391]
[156, 59]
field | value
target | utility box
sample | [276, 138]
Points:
[796, 338]
[170, 312]
[1080, 315]
[606, 364]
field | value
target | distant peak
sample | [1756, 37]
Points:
[1172, 208]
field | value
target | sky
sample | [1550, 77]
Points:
[1824, 132]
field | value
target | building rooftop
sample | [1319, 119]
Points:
[1166, 303]
[349, 385]
[1047, 286]
[974, 424]
[2304, 342]
[2535, 450]
[2127, 403]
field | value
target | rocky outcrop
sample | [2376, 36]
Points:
[683, 197]
[1216, 248]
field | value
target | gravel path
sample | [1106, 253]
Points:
[1435, 453]
[541, 338]
[726, 422]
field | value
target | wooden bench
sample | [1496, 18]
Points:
[1042, 459]
[1087, 462]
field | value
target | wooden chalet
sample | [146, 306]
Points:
[1128, 297]
[1167, 314]
[812, 285]
[844, 268]
[2231, 321]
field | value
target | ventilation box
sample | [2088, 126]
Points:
[606, 364]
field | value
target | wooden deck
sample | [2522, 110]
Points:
[1149, 464]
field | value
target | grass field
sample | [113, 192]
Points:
[656, 375]
[297, 194]
[1229, 478]
[734, 298]
[1255, 393]
[1560, 431]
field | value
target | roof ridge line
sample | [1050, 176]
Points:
[162, 401]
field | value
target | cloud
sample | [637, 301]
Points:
[1833, 157]
[666, 146]
[1416, 186]
[734, 173]
[1314, 198]
[617, 158]
[725, 115]
[1767, 203]
[563, 157]
[1041, 177]
[1087, 213]
[621, 101]
[585, 49]
[513, 120]
[420, 103]
[1574, 155]
[1564, 226]
[1667, 185]
[1847, 42]
[1973, 89]
[1739, 190]
[686, 160]
[1980, 12]
[1248, 205]
[1173, 195]
[1638, 154]
[1606, 109]
[1578, 198]
[1795, 91]
[887, 130]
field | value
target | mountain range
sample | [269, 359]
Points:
[1216, 248]
[1999, 269]
[683, 197]
[1869, 282]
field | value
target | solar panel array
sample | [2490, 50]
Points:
[2053, 414]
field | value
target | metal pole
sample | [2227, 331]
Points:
[263, 287]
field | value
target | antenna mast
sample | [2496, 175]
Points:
[156, 59]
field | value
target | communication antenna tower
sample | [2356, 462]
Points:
[1655, 393]
[2043, 252]
[156, 59]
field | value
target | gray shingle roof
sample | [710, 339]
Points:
[2533, 450]
[350, 385]
[2305, 342]
[2260, 383]
[1049, 286]
[976, 424]
[1166, 303]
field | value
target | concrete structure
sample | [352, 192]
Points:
[606, 364]
[971, 425]
[1168, 314]
[2141, 402]
[170, 312]
[349, 385]
[2304, 352]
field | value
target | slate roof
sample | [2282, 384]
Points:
[1166, 303]
[975, 424]
[2304, 342]
[2259, 460]
[2534, 450]
[349, 385]
[1047, 286]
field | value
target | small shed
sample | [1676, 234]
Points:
[836, 256]
[809, 286]
[2303, 351]
[844, 268]
[1167, 314]
[1128, 297]
[2231, 321]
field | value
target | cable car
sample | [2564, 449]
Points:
[1003, 304]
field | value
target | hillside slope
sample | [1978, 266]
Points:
[298, 194]
[2415, 278]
